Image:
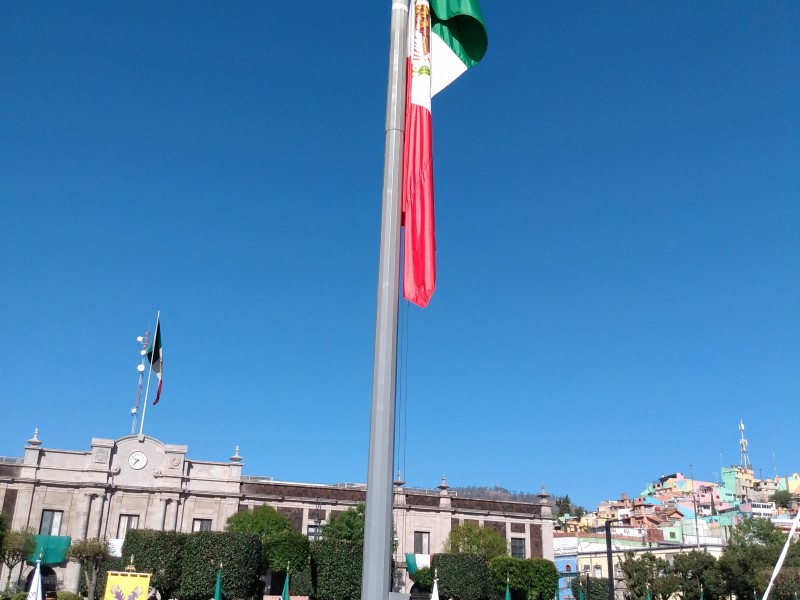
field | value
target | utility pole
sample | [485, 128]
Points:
[694, 504]
[610, 559]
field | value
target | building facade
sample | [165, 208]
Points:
[587, 553]
[140, 482]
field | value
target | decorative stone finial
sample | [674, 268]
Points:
[443, 486]
[543, 495]
[399, 481]
[34, 441]
[236, 457]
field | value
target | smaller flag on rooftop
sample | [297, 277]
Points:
[154, 356]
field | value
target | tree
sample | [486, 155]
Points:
[263, 520]
[781, 498]
[649, 571]
[17, 546]
[347, 525]
[596, 588]
[280, 544]
[563, 505]
[694, 569]
[786, 583]
[754, 548]
[113, 563]
[89, 554]
[469, 538]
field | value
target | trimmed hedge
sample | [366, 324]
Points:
[336, 567]
[302, 583]
[67, 596]
[544, 579]
[159, 553]
[286, 548]
[464, 577]
[239, 554]
[514, 570]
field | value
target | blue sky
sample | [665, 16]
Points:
[618, 235]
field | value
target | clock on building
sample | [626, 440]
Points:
[137, 460]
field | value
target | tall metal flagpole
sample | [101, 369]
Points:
[149, 374]
[377, 571]
[144, 341]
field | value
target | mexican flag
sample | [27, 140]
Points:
[154, 356]
[445, 38]
[417, 561]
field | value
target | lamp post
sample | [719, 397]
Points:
[609, 559]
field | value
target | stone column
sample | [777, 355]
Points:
[162, 511]
[83, 517]
[96, 526]
[172, 515]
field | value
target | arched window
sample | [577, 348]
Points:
[568, 569]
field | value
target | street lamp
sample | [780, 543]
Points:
[608, 557]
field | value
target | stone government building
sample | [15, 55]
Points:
[140, 482]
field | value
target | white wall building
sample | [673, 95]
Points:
[140, 482]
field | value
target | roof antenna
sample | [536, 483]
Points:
[744, 461]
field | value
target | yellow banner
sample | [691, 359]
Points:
[122, 585]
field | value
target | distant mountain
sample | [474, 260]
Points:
[561, 505]
[495, 493]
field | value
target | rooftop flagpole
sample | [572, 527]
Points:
[377, 569]
[149, 373]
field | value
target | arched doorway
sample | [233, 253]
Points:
[419, 594]
[49, 579]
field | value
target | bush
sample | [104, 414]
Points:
[159, 553]
[463, 577]
[239, 554]
[19, 596]
[68, 596]
[423, 579]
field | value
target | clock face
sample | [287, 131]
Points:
[137, 460]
